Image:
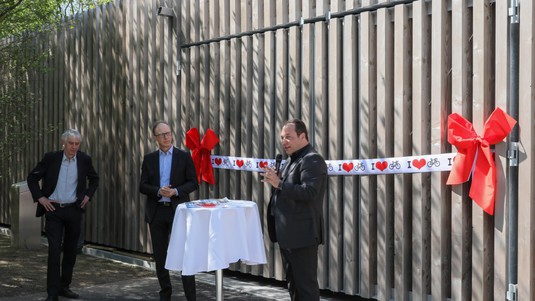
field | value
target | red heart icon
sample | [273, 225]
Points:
[239, 163]
[381, 165]
[418, 163]
[347, 166]
[262, 164]
[218, 161]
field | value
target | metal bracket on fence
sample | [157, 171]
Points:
[327, 16]
[512, 292]
[512, 154]
[514, 11]
[178, 66]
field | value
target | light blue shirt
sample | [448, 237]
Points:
[166, 158]
[65, 191]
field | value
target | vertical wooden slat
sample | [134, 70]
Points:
[350, 67]
[109, 96]
[83, 96]
[101, 90]
[121, 134]
[440, 203]
[91, 215]
[215, 86]
[58, 90]
[204, 100]
[170, 70]
[501, 78]
[320, 134]
[402, 147]
[202, 105]
[250, 135]
[526, 207]
[175, 66]
[421, 76]
[294, 61]
[144, 121]
[368, 149]
[335, 150]
[196, 71]
[461, 204]
[271, 133]
[483, 104]
[307, 64]
[68, 104]
[186, 57]
[248, 130]
[282, 59]
[131, 120]
[225, 105]
[385, 196]
[257, 101]
[236, 95]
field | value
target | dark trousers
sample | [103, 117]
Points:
[61, 224]
[301, 266]
[160, 230]
[81, 238]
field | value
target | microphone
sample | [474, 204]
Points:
[278, 161]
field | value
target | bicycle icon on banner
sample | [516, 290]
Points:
[394, 165]
[433, 162]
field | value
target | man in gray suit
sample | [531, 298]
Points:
[295, 211]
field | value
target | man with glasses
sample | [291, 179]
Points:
[168, 176]
[69, 180]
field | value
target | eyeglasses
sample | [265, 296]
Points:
[165, 135]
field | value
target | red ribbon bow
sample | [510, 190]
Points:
[200, 152]
[461, 134]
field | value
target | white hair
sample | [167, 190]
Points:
[71, 133]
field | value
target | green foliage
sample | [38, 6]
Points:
[24, 25]
[18, 16]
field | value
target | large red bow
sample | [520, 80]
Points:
[200, 152]
[472, 147]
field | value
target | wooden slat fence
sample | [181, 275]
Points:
[372, 79]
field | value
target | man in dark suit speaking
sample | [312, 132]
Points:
[65, 191]
[168, 176]
[295, 211]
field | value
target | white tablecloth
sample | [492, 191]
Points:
[208, 239]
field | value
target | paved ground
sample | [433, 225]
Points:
[103, 275]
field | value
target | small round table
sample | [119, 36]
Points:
[210, 235]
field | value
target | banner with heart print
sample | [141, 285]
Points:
[394, 165]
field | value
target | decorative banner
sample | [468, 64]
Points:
[475, 157]
[200, 153]
[380, 166]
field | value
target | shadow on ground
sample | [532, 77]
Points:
[23, 275]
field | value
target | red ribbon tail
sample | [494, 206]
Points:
[207, 170]
[483, 188]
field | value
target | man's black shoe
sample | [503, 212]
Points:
[52, 298]
[66, 292]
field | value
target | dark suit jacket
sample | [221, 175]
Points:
[183, 178]
[295, 213]
[48, 170]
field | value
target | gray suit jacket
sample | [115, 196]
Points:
[295, 213]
